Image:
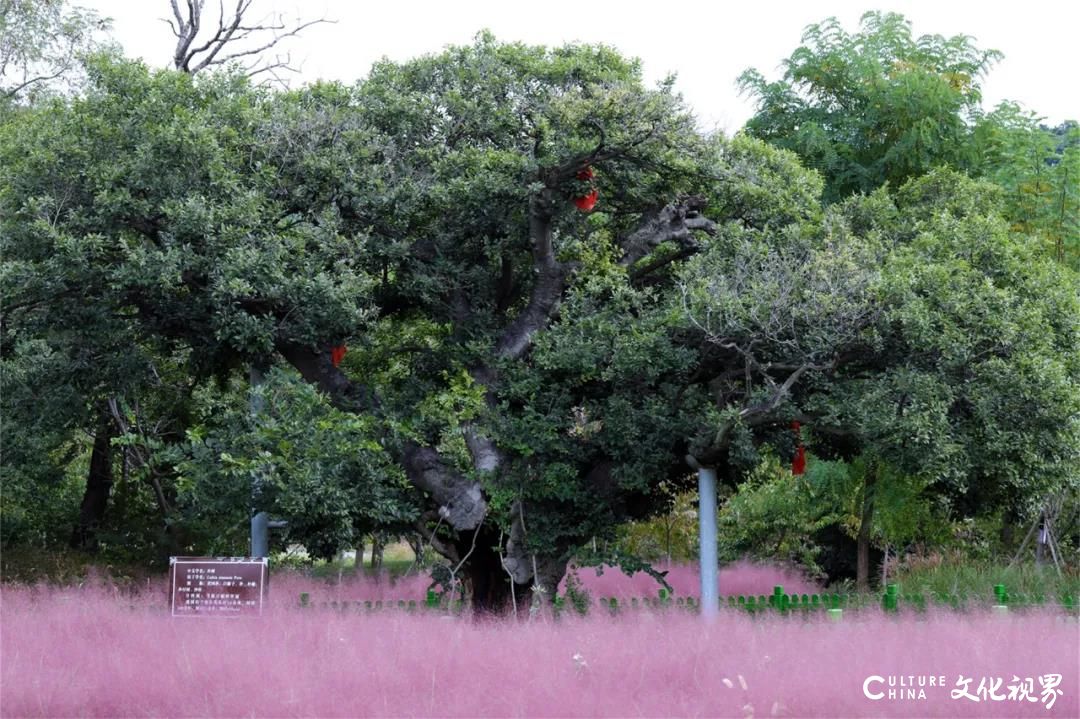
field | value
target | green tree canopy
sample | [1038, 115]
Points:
[876, 106]
[535, 373]
[42, 45]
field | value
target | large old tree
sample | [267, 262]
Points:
[534, 371]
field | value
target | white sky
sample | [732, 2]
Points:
[707, 44]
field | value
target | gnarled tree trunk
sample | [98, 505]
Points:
[98, 486]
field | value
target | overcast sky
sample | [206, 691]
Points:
[706, 44]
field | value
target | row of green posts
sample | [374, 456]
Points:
[779, 601]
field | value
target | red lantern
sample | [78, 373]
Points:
[798, 464]
[337, 354]
[586, 202]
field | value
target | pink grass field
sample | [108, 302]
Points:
[98, 652]
[741, 578]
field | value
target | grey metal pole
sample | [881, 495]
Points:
[710, 599]
[260, 535]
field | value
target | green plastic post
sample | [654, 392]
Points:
[305, 599]
[777, 599]
[889, 600]
[432, 600]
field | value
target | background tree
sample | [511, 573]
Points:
[1038, 167]
[42, 46]
[875, 106]
[104, 238]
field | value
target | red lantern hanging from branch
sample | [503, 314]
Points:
[337, 354]
[586, 202]
[798, 464]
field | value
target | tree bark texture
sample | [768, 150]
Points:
[862, 567]
[99, 481]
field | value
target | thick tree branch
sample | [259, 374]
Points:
[550, 281]
[460, 499]
[317, 369]
[675, 222]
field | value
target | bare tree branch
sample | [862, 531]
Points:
[12, 92]
[226, 43]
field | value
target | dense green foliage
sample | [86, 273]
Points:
[880, 106]
[873, 107]
[42, 46]
[522, 377]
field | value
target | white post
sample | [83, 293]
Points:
[259, 539]
[710, 600]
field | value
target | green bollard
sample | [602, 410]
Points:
[305, 599]
[889, 599]
[777, 599]
[432, 600]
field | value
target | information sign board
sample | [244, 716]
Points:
[216, 586]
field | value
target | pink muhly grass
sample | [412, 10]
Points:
[285, 588]
[92, 652]
[740, 578]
